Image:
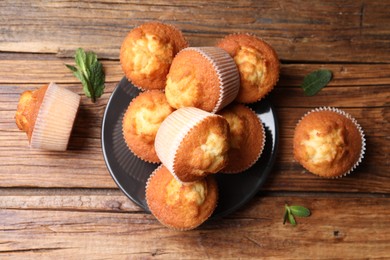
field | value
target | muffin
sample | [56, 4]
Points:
[177, 205]
[257, 63]
[47, 116]
[204, 77]
[247, 137]
[193, 143]
[328, 142]
[147, 53]
[141, 121]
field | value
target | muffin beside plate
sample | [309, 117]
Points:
[328, 142]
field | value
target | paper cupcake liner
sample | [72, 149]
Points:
[227, 72]
[360, 129]
[55, 119]
[173, 130]
[260, 151]
[170, 226]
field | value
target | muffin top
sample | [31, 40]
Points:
[147, 53]
[192, 81]
[204, 149]
[28, 108]
[327, 143]
[257, 63]
[180, 206]
[246, 137]
[142, 120]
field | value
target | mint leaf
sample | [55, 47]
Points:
[72, 68]
[285, 217]
[292, 219]
[90, 72]
[291, 211]
[315, 81]
[300, 211]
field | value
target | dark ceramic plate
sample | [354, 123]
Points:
[131, 173]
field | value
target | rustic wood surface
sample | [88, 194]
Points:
[65, 204]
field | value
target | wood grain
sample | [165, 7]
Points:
[66, 205]
[350, 31]
[82, 165]
[256, 231]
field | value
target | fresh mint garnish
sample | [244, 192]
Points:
[90, 72]
[315, 81]
[294, 211]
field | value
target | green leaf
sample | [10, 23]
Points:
[300, 211]
[292, 219]
[80, 59]
[90, 72]
[72, 68]
[97, 78]
[285, 217]
[315, 81]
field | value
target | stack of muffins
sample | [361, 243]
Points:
[191, 117]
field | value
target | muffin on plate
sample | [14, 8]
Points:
[141, 121]
[193, 143]
[247, 137]
[257, 63]
[328, 142]
[147, 53]
[202, 77]
[177, 205]
[47, 116]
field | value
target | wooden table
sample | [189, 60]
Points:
[65, 204]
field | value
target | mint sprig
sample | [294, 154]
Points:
[315, 81]
[90, 72]
[297, 211]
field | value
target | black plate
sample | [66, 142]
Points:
[131, 173]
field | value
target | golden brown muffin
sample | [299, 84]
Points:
[328, 142]
[257, 62]
[204, 77]
[47, 116]
[141, 122]
[28, 108]
[180, 206]
[246, 137]
[147, 53]
[193, 143]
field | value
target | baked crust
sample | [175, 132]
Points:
[192, 82]
[180, 206]
[141, 121]
[28, 108]
[204, 150]
[147, 53]
[327, 143]
[246, 137]
[257, 63]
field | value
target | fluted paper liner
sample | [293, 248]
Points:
[55, 119]
[258, 155]
[227, 72]
[173, 130]
[341, 112]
